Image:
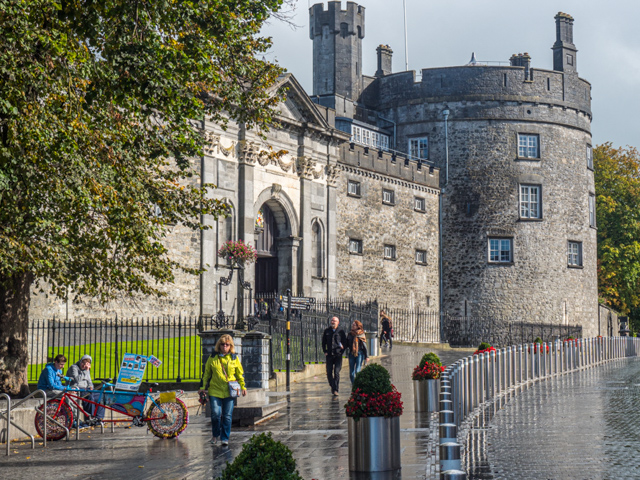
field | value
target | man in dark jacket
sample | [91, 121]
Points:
[80, 375]
[333, 345]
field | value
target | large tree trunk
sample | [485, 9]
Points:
[15, 294]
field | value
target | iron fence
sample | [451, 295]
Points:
[415, 326]
[466, 331]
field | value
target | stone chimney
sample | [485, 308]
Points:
[564, 51]
[384, 60]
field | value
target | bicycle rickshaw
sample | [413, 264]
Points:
[164, 413]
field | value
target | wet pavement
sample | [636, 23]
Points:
[582, 426]
[313, 425]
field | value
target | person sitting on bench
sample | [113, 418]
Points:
[80, 376]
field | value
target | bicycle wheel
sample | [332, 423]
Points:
[175, 422]
[61, 413]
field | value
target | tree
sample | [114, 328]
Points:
[617, 182]
[101, 103]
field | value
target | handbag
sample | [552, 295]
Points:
[234, 386]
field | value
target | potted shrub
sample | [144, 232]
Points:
[537, 345]
[426, 383]
[373, 412]
[484, 347]
[262, 457]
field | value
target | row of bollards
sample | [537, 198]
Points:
[450, 449]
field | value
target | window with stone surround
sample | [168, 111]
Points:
[420, 204]
[592, 210]
[390, 252]
[353, 188]
[530, 202]
[589, 157]
[317, 251]
[419, 148]
[574, 254]
[501, 250]
[421, 257]
[388, 197]
[355, 246]
[528, 145]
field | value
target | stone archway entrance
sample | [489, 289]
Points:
[277, 247]
[266, 246]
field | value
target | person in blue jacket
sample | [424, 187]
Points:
[51, 377]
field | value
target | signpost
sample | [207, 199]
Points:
[298, 303]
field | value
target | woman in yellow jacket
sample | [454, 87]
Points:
[221, 368]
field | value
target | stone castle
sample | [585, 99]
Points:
[468, 190]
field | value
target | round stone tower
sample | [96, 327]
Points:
[518, 205]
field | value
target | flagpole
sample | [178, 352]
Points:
[406, 48]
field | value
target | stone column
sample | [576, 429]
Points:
[288, 262]
[304, 276]
[249, 154]
[255, 349]
[330, 235]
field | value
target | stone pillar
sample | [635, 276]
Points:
[209, 339]
[288, 262]
[255, 350]
[330, 234]
[303, 286]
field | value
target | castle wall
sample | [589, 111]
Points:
[401, 283]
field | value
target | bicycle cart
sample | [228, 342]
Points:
[165, 414]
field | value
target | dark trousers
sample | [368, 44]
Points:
[94, 410]
[334, 365]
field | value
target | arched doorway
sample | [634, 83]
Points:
[266, 246]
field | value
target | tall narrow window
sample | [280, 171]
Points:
[421, 257]
[574, 254]
[500, 250]
[528, 146]
[589, 157]
[530, 206]
[316, 250]
[419, 147]
[592, 210]
[420, 204]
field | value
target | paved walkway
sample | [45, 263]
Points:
[584, 425]
[313, 426]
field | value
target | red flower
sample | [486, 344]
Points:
[486, 350]
[430, 371]
[362, 405]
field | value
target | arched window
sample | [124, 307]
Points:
[317, 254]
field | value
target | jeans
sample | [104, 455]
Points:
[221, 413]
[94, 410]
[334, 365]
[355, 365]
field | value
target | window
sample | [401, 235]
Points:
[420, 204]
[589, 157]
[421, 257]
[501, 250]
[574, 254]
[530, 206]
[528, 146]
[369, 138]
[355, 246]
[592, 210]
[316, 250]
[388, 197]
[353, 188]
[390, 252]
[419, 147]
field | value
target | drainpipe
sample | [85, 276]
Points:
[442, 193]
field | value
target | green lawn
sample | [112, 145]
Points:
[105, 362]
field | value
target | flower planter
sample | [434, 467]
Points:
[374, 444]
[425, 395]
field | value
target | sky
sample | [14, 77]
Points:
[443, 34]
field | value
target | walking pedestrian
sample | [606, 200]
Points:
[222, 367]
[386, 329]
[357, 345]
[334, 342]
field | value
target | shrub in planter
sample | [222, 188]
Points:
[537, 340]
[373, 395]
[264, 458]
[484, 347]
[430, 368]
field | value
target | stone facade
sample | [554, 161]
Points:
[408, 225]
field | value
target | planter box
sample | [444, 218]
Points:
[425, 395]
[374, 444]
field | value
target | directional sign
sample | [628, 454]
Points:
[299, 303]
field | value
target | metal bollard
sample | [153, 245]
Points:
[448, 433]
[446, 405]
[450, 456]
[445, 416]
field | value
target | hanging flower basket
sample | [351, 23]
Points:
[238, 253]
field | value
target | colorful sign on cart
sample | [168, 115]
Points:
[131, 372]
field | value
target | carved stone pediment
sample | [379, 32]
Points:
[333, 173]
[213, 145]
[308, 168]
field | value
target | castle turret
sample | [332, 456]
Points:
[337, 49]
[564, 51]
